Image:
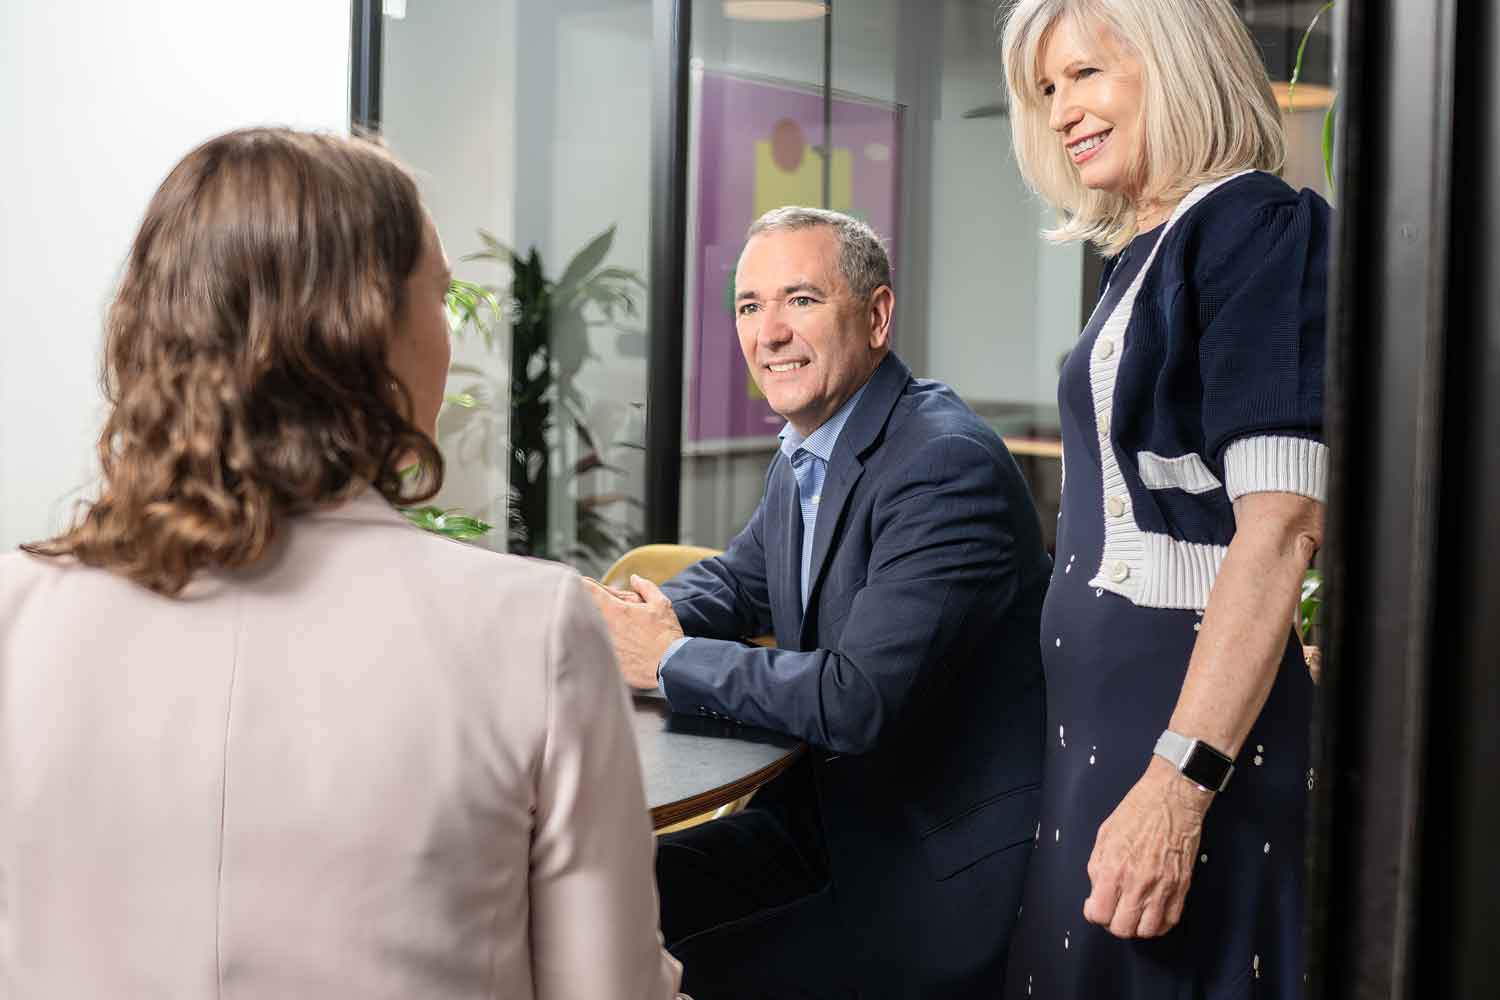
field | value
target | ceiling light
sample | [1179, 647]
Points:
[774, 10]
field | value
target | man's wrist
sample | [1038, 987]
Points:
[671, 651]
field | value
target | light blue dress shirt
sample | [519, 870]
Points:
[809, 457]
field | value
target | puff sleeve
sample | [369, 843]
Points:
[1262, 312]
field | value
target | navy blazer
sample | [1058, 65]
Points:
[915, 675]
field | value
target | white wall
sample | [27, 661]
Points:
[1002, 303]
[97, 102]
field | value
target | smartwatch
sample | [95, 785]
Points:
[1200, 763]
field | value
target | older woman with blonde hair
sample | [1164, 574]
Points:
[259, 736]
[1169, 856]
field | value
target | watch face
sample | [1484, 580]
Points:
[1207, 767]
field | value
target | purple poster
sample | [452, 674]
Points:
[759, 148]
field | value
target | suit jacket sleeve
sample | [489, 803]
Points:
[943, 541]
[593, 895]
[726, 597]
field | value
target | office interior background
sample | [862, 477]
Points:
[534, 123]
[547, 124]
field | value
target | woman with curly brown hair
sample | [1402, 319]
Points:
[258, 735]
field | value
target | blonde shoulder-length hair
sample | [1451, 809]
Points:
[1208, 110]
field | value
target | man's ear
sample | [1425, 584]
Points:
[879, 311]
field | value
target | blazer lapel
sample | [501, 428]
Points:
[844, 470]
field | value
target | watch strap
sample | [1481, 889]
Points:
[1196, 760]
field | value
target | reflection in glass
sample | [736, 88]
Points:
[528, 123]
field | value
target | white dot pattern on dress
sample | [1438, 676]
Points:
[1267, 848]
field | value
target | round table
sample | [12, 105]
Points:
[692, 763]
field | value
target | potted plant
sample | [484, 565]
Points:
[551, 322]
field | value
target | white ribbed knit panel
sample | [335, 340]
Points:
[1185, 472]
[1179, 574]
[1275, 464]
[1149, 570]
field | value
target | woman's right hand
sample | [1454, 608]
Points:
[1142, 862]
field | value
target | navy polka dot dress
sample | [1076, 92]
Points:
[1114, 672]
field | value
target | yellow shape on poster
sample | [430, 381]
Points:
[775, 187]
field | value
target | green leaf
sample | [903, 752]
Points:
[1291, 88]
[1311, 605]
[473, 305]
[587, 259]
[1328, 142]
[620, 274]
[464, 399]
[495, 251]
[570, 341]
[448, 523]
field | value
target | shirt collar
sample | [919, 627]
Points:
[821, 441]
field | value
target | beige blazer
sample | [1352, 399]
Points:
[382, 764]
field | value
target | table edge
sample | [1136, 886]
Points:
[675, 812]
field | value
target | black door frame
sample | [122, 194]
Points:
[366, 38]
[1405, 885]
[671, 39]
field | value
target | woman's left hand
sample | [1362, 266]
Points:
[1143, 856]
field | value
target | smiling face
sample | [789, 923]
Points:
[809, 342]
[1094, 93]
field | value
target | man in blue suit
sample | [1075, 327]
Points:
[897, 557]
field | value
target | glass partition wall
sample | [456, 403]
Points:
[531, 126]
[892, 110]
[528, 124]
[895, 111]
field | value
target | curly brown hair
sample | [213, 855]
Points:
[245, 360]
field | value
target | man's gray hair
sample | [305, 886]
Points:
[862, 258]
